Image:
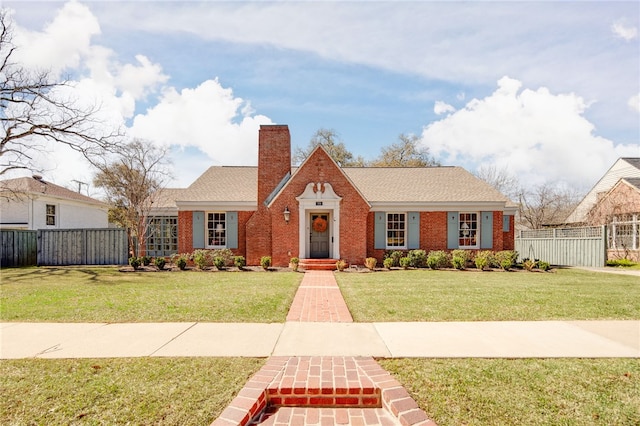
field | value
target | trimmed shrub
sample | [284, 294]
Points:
[145, 260]
[395, 257]
[240, 262]
[180, 260]
[459, 258]
[265, 262]
[437, 259]
[545, 266]
[201, 258]
[134, 262]
[484, 259]
[620, 263]
[226, 254]
[219, 262]
[529, 264]
[160, 262]
[371, 262]
[418, 258]
[294, 262]
[388, 263]
[405, 262]
[505, 259]
[341, 265]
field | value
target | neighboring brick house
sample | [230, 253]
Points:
[320, 210]
[33, 203]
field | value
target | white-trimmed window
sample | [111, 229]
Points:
[396, 230]
[50, 215]
[162, 236]
[468, 230]
[216, 228]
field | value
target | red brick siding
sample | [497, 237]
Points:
[274, 158]
[185, 231]
[498, 233]
[433, 231]
[509, 242]
[258, 236]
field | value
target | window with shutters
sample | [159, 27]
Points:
[396, 230]
[468, 230]
[216, 229]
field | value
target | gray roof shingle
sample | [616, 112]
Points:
[31, 185]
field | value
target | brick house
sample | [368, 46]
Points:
[320, 210]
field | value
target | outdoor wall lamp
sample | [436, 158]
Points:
[287, 214]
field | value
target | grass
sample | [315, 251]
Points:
[107, 295]
[158, 391]
[492, 392]
[425, 295]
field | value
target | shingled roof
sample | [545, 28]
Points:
[38, 186]
[419, 185]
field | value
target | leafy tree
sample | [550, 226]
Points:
[133, 182]
[329, 139]
[34, 111]
[407, 152]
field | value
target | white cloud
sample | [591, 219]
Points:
[441, 107]
[634, 103]
[537, 135]
[625, 32]
[207, 117]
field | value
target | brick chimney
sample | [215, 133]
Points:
[274, 158]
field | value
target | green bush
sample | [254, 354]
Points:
[160, 262]
[134, 262]
[395, 257]
[620, 263]
[226, 254]
[240, 262]
[418, 258]
[180, 260]
[388, 263]
[437, 259]
[265, 262]
[505, 259]
[371, 262]
[145, 260]
[201, 258]
[405, 262]
[294, 262]
[545, 266]
[484, 259]
[459, 258]
[219, 262]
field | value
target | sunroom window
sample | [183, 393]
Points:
[216, 228]
[396, 230]
[468, 230]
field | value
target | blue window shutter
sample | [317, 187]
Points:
[505, 223]
[198, 230]
[380, 238]
[413, 229]
[486, 230]
[232, 230]
[452, 230]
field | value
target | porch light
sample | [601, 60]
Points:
[287, 214]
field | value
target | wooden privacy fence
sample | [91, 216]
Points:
[565, 246]
[19, 248]
[58, 247]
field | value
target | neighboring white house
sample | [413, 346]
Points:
[628, 167]
[33, 203]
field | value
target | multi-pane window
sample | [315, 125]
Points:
[468, 230]
[216, 230]
[162, 236]
[396, 230]
[51, 215]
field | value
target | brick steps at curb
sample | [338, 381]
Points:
[318, 264]
[345, 386]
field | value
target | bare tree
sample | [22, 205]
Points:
[500, 179]
[407, 152]
[545, 204]
[34, 111]
[329, 139]
[133, 182]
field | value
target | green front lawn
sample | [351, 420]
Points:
[426, 295]
[104, 294]
[135, 391]
[492, 392]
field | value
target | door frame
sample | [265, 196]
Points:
[319, 198]
[329, 230]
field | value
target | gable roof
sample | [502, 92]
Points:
[624, 167]
[36, 186]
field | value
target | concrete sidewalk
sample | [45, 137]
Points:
[503, 339]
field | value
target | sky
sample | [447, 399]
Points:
[548, 91]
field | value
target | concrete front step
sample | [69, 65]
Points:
[318, 264]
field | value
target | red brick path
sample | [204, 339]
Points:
[322, 390]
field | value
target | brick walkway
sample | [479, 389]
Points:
[314, 390]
